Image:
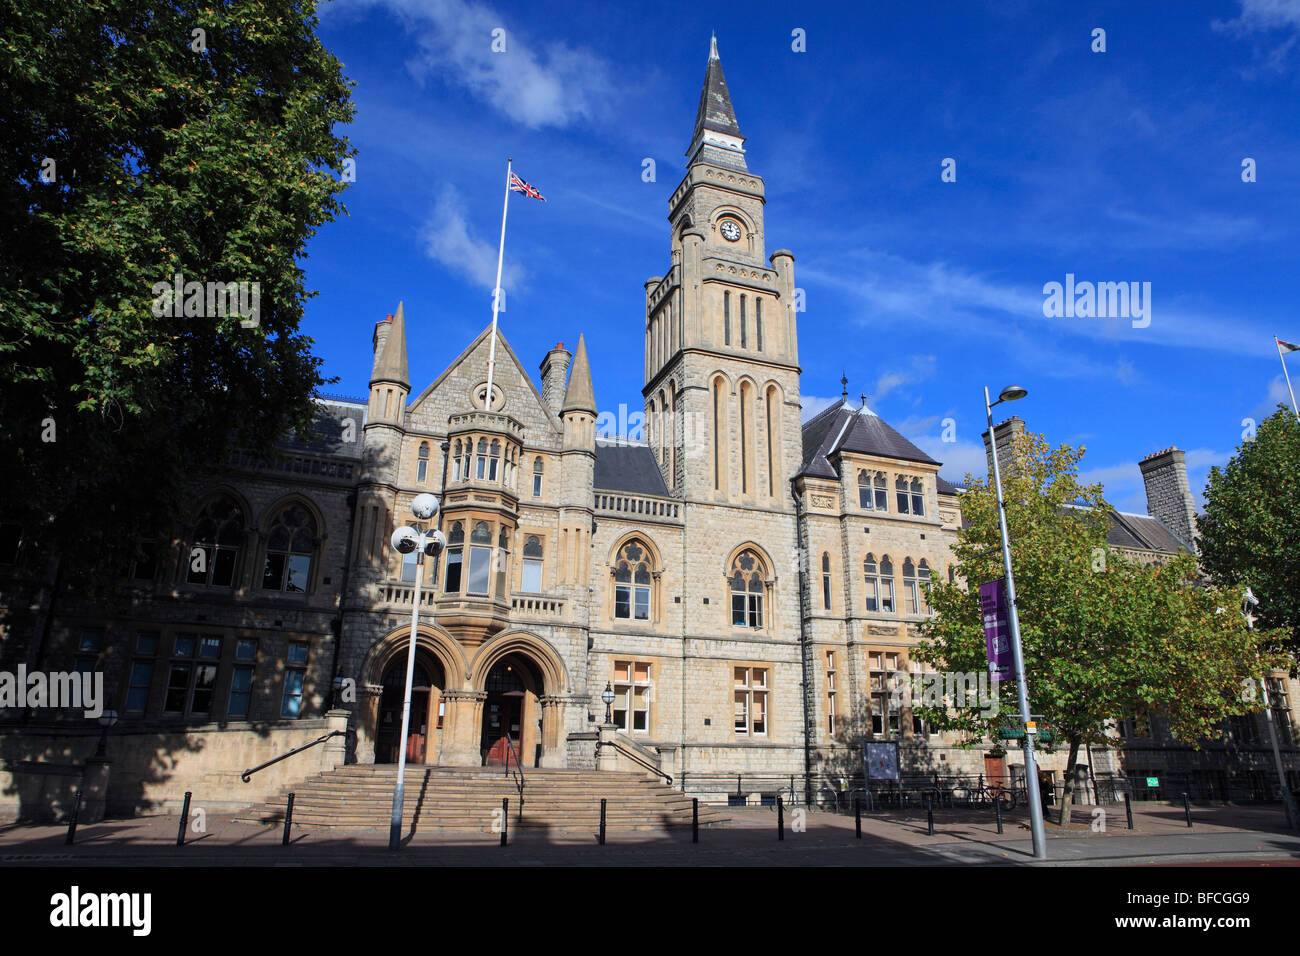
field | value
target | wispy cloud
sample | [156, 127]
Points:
[447, 239]
[814, 405]
[473, 47]
[919, 368]
[1272, 25]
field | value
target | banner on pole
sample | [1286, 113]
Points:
[994, 608]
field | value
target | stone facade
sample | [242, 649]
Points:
[744, 584]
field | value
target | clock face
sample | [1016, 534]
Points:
[730, 230]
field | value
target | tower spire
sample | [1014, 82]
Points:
[390, 366]
[580, 396]
[717, 137]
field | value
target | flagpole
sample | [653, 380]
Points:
[1278, 343]
[496, 291]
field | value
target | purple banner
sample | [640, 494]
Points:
[997, 629]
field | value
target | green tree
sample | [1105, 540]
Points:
[1249, 535]
[139, 140]
[1103, 636]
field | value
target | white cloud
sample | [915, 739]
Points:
[918, 369]
[447, 239]
[814, 405]
[1261, 21]
[555, 85]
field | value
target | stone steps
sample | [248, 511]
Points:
[469, 798]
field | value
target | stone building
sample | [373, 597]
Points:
[741, 582]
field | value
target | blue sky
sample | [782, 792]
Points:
[1117, 166]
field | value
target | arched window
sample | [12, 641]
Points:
[480, 465]
[289, 550]
[769, 412]
[532, 581]
[923, 578]
[872, 574]
[726, 318]
[494, 456]
[744, 338]
[480, 558]
[747, 590]
[719, 423]
[455, 557]
[502, 562]
[864, 489]
[910, 595]
[826, 580]
[745, 413]
[918, 497]
[758, 322]
[632, 582]
[887, 585]
[900, 486]
[537, 477]
[455, 463]
[469, 448]
[882, 492]
[422, 463]
[218, 537]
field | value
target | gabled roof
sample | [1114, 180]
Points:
[844, 428]
[631, 468]
[1151, 533]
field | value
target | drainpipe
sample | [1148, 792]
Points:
[803, 647]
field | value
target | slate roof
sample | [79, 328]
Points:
[715, 112]
[630, 468]
[844, 427]
[1151, 533]
[331, 417]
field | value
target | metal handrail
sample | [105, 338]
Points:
[285, 756]
[636, 757]
[510, 752]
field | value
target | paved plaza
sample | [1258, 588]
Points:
[1220, 835]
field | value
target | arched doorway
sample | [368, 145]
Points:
[424, 736]
[511, 711]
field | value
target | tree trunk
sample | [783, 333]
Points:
[1063, 819]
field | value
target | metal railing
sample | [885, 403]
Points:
[635, 758]
[285, 756]
[519, 777]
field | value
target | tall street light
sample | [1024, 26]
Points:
[431, 542]
[1248, 601]
[1013, 393]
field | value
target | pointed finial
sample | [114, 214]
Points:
[844, 381]
[713, 47]
[864, 399]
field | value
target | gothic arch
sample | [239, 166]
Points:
[729, 211]
[652, 549]
[428, 638]
[759, 550]
[555, 676]
[217, 491]
[272, 511]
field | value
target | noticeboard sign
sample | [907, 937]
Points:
[1153, 781]
[880, 759]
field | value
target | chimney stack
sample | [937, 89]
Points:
[1005, 431]
[555, 373]
[1169, 497]
[382, 329]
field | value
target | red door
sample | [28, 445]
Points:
[995, 773]
[417, 735]
[502, 713]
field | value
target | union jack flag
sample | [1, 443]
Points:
[519, 186]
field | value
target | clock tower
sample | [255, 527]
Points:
[721, 354]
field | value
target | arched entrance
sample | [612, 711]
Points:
[428, 710]
[511, 711]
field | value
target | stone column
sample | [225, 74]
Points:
[554, 753]
[368, 722]
[334, 752]
[462, 729]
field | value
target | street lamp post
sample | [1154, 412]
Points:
[1014, 393]
[107, 720]
[431, 542]
[1247, 602]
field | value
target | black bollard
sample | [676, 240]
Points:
[602, 821]
[929, 813]
[780, 819]
[1187, 809]
[1128, 811]
[695, 819]
[505, 818]
[997, 811]
[857, 816]
[185, 820]
[72, 820]
[288, 821]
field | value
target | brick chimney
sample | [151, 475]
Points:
[1006, 431]
[555, 372]
[1169, 497]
